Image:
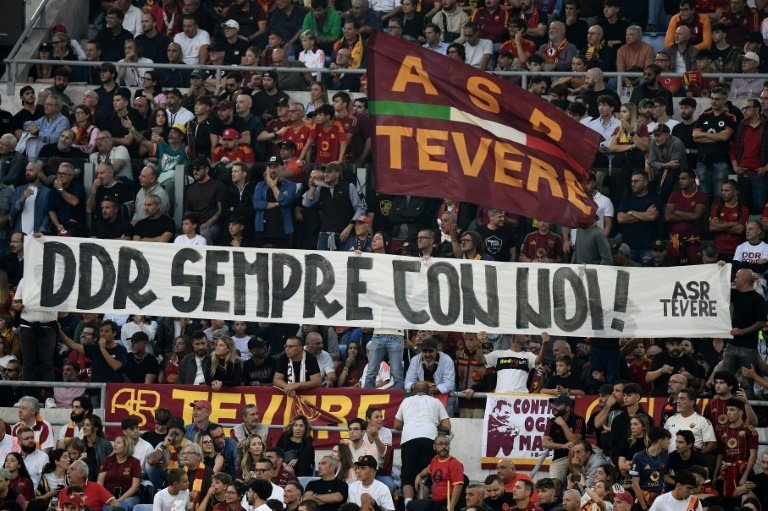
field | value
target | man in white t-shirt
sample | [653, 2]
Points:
[194, 41]
[513, 365]
[681, 498]
[141, 448]
[687, 418]
[241, 339]
[357, 443]
[420, 417]
[189, 235]
[753, 253]
[175, 496]
[367, 491]
[259, 491]
[313, 343]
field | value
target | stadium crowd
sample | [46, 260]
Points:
[264, 170]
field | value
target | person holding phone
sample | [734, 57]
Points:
[120, 473]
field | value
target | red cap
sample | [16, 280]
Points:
[230, 134]
[201, 403]
[365, 219]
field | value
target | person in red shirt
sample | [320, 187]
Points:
[297, 131]
[518, 45]
[748, 154]
[728, 220]
[328, 138]
[93, 495]
[736, 449]
[542, 245]
[685, 211]
[493, 21]
[293, 171]
[507, 472]
[341, 102]
[522, 495]
[447, 475]
[230, 151]
[740, 20]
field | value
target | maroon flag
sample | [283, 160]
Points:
[447, 129]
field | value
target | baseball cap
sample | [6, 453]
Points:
[274, 160]
[750, 55]
[196, 73]
[428, 344]
[562, 399]
[58, 28]
[225, 105]
[201, 403]
[201, 161]
[139, 337]
[179, 127]
[256, 342]
[46, 47]
[624, 496]
[620, 248]
[365, 461]
[659, 245]
[365, 219]
[231, 24]
[230, 134]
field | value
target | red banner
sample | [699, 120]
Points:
[446, 129]
[326, 407]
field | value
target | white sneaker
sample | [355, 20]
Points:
[50, 403]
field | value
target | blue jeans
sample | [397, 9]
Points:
[392, 346]
[324, 241]
[127, 504]
[712, 176]
[388, 480]
[156, 476]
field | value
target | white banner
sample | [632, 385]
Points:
[514, 425]
[342, 288]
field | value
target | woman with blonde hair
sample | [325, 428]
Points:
[211, 458]
[223, 368]
[251, 451]
[121, 473]
[346, 472]
[639, 440]
[318, 96]
[630, 140]
[296, 442]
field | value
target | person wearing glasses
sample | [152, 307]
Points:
[297, 370]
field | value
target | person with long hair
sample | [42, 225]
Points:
[21, 481]
[578, 65]
[42, 73]
[9, 339]
[211, 458]
[182, 345]
[62, 47]
[312, 56]
[318, 96]
[85, 131]
[630, 140]
[151, 89]
[158, 123]
[353, 366]
[120, 473]
[296, 441]
[639, 440]
[251, 451]
[380, 243]
[343, 453]
[97, 447]
[223, 367]
[232, 497]
[598, 498]
[53, 477]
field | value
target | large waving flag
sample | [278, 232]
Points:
[446, 129]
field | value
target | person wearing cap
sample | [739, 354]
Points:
[431, 366]
[274, 228]
[659, 255]
[748, 88]
[650, 87]
[29, 111]
[562, 432]
[226, 119]
[339, 204]
[229, 151]
[756, 44]
[367, 492]
[447, 475]
[206, 197]
[194, 41]
[686, 212]
[267, 102]
[141, 366]
[361, 240]
[699, 25]
[293, 171]
[232, 44]
[259, 370]
[276, 127]
[167, 454]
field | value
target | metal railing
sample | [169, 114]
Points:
[61, 384]
[38, 15]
